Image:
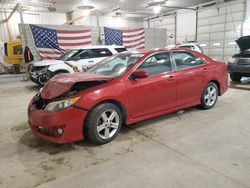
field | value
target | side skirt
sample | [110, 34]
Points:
[157, 114]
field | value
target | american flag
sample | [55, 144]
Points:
[51, 43]
[129, 38]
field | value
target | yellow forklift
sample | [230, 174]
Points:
[14, 55]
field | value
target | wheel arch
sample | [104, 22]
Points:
[61, 71]
[117, 103]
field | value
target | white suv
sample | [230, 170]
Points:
[72, 61]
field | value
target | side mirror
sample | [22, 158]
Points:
[140, 74]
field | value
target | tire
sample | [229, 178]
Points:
[35, 81]
[209, 96]
[108, 128]
[235, 76]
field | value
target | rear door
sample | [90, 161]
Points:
[191, 77]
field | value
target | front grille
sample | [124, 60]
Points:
[243, 61]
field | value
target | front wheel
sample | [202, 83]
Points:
[209, 96]
[103, 123]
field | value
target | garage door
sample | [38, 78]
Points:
[218, 27]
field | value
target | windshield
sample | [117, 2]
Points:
[67, 55]
[116, 65]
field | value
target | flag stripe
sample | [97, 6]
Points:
[133, 35]
[73, 41]
[47, 57]
[73, 31]
[135, 45]
[73, 38]
[73, 34]
[75, 44]
[50, 52]
[133, 40]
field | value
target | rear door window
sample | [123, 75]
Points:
[85, 55]
[100, 52]
[185, 60]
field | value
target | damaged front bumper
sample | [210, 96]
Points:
[39, 75]
[60, 127]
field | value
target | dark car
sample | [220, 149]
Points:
[239, 64]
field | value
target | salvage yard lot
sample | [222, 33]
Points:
[196, 148]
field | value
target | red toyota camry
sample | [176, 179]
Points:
[124, 89]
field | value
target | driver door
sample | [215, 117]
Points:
[155, 93]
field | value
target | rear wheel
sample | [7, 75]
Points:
[235, 76]
[103, 123]
[209, 96]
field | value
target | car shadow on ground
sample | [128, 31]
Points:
[27, 139]
[33, 87]
[244, 84]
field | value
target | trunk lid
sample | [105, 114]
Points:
[62, 83]
[243, 43]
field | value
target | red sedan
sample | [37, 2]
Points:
[123, 89]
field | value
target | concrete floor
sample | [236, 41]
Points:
[192, 149]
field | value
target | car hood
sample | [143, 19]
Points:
[243, 43]
[47, 63]
[62, 83]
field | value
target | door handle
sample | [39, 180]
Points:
[204, 70]
[170, 78]
[90, 61]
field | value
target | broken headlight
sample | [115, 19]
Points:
[59, 105]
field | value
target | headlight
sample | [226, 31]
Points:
[59, 105]
[231, 60]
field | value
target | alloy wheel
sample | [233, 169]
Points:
[108, 124]
[210, 96]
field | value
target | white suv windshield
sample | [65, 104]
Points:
[115, 65]
[67, 55]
